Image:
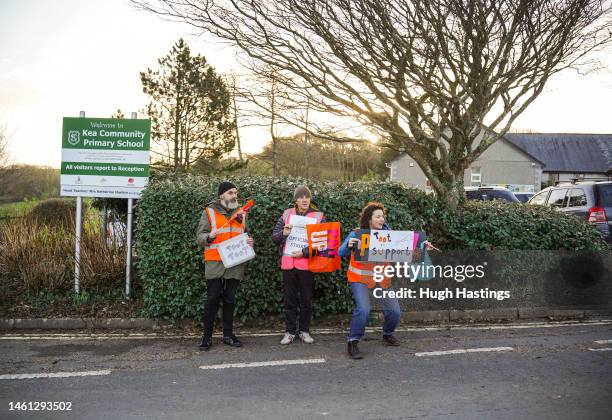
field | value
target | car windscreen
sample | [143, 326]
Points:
[489, 195]
[523, 198]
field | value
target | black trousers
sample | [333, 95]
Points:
[298, 282]
[216, 288]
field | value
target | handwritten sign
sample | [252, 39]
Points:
[387, 245]
[236, 251]
[298, 238]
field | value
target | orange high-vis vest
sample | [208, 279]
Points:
[225, 228]
[363, 272]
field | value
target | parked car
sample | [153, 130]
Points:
[591, 200]
[490, 193]
[523, 197]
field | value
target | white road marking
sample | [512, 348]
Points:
[603, 341]
[60, 337]
[322, 331]
[461, 351]
[259, 364]
[56, 374]
[602, 349]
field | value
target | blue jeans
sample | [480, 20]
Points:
[390, 308]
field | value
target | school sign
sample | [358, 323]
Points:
[105, 157]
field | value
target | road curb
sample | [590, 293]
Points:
[437, 316]
[498, 314]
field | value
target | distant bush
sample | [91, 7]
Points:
[55, 212]
[28, 182]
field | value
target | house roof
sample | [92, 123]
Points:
[567, 152]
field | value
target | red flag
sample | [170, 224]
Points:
[248, 206]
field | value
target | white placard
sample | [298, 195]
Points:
[388, 245]
[236, 251]
[298, 239]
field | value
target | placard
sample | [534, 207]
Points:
[387, 245]
[323, 241]
[298, 238]
[235, 251]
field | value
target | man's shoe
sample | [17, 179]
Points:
[206, 343]
[390, 340]
[306, 337]
[287, 339]
[232, 340]
[353, 350]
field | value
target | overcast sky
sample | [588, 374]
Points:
[58, 57]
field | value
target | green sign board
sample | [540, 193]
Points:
[105, 157]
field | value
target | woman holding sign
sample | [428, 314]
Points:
[361, 279]
[298, 281]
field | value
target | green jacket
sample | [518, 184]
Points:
[216, 269]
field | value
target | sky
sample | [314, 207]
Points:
[59, 57]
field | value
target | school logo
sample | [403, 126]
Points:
[74, 137]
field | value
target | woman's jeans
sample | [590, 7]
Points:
[390, 307]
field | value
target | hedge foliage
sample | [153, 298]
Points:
[171, 267]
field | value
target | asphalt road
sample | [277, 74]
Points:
[537, 371]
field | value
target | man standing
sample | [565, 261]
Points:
[221, 221]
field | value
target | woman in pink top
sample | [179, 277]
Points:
[297, 279]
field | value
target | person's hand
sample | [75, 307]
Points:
[250, 242]
[429, 246]
[287, 229]
[239, 216]
[352, 242]
[297, 254]
[212, 234]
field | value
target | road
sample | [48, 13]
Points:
[528, 371]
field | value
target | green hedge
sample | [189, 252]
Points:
[515, 226]
[171, 268]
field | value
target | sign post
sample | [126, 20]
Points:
[128, 259]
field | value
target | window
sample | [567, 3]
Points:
[539, 198]
[605, 195]
[475, 177]
[577, 198]
[557, 198]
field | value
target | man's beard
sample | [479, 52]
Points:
[231, 205]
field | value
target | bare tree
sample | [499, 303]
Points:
[266, 104]
[118, 114]
[4, 148]
[425, 74]
[231, 82]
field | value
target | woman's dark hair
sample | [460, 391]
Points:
[367, 211]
